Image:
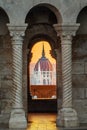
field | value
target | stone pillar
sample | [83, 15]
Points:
[17, 118]
[67, 116]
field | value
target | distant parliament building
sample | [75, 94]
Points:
[44, 73]
[43, 78]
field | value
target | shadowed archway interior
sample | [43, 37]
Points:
[40, 21]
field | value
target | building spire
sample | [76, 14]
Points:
[43, 52]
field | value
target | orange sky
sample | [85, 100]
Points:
[37, 51]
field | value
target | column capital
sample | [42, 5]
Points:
[17, 31]
[66, 29]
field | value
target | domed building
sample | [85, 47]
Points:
[43, 71]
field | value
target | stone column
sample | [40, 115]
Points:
[67, 116]
[17, 118]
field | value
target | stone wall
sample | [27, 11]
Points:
[80, 77]
[5, 73]
[14, 9]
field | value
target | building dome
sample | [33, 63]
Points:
[43, 64]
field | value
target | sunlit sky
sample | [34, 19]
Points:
[37, 51]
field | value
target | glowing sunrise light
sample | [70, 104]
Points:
[37, 51]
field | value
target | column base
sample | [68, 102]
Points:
[67, 117]
[17, 119]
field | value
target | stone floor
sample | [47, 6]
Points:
[46, 121]
[38, 121]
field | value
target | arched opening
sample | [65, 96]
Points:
[82, 19]
[42, 72]
[40, 28]
[80, 65]
[47, 102]
[3, 21]
[41, 14]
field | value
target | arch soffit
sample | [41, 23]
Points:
[8, 16]
[51, 7]
[79, 11]
[57, 14]
[37, 38]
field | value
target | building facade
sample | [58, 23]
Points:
[63, 23]
[43, 72]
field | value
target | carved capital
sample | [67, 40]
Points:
[17, 32]
[66, 29]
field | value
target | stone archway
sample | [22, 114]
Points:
[45, 32]
[67, 116]
[42, 29]
[36, 39]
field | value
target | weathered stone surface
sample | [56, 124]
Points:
[78, 68]
[6, 83]
[79, 81]
[67, 118]
[5, 93]
[86, 93]
[6, 106]
[78, 93]
[81, 107]
[17, 119]
[85, 67]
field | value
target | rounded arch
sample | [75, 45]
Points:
[41, 32]
[82, 19]
[56, 12]
[53, 10]
[40, 21]
[43, 37]
[44, 47]
[4, 19]
[79, 10]
[4, 13]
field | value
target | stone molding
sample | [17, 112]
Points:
[41, 32]
[17, 33]
[66, 29]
